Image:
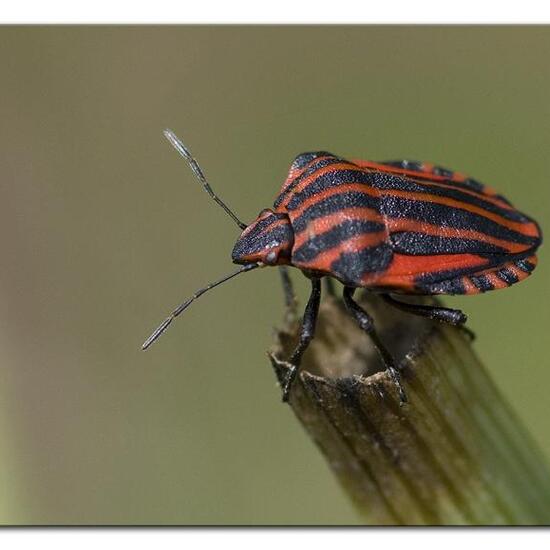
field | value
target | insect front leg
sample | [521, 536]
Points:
[306, 334]
[288, 290]
[364, 320]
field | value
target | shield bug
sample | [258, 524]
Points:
[392, 227]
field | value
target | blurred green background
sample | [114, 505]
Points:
[104, 229]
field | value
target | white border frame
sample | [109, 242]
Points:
[275, 12]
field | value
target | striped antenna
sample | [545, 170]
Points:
[186, 154]
[182, 307]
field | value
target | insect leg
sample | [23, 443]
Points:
[364, 320]
[288, 290]
[444, 314]
[306, 334]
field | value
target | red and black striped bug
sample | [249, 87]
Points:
[394, 227]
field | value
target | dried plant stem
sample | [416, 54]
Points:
[454, 455]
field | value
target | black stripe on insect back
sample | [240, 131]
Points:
[351, 267]
[468, 184]
[306, 174]
[525, 265]
[482, 282]
[444, 172]
[507, 276]
[413, 165]
[395, 183]
[333, 238]
[451, 286]
[415, 243]
[327, 181]
[451, 216]
[305, 158]
[332, 204]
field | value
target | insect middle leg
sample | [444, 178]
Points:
[365, 321]
[306, 334]
[446, 315]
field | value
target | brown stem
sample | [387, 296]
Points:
[455, 454]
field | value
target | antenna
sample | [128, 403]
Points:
[186, 154]
[182, 307]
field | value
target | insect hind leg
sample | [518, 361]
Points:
[365, 321]
[444, 314]
[454, 317]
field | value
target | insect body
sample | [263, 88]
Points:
[396, 227]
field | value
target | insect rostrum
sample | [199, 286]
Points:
[392, 227]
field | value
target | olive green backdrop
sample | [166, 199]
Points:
[103, 229]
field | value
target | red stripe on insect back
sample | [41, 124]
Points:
[313, 177]
[321, 225]
[293, 174]
[530, 229]
[404, 269]
[396, 225]
[324, 260]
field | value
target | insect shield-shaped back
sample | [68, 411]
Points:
[268, 240]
